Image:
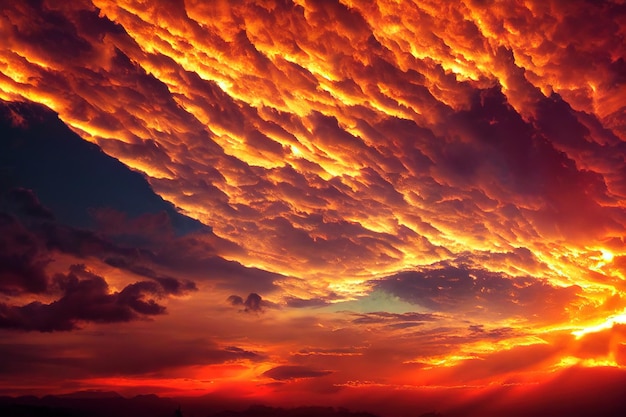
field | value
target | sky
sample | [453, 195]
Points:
[342, 202]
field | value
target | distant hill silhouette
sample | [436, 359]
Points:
[264, 411]
[88, 404]
[111, 404]
[91, 394]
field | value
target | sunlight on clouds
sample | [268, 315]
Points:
[412, 185]
[607, 324]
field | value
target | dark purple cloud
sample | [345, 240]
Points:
[85, 297]
[253, 303]
[394, 319]
[289, 372]
[29, 204]
[30, 241]
[23, 258]
[296, 302]
[169, 284]
[448, 287]
[125, 353]
[30, 245]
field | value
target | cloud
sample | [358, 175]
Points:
[169, 284]
[291, 372]
[23, 258]
[296, 302]
[31, 240]
[348, 351]
[394, 320]
[168, 353]
[85, 297]
[29, 204]
[253, 303]
[343, 142]
[199, 256]
[31, 246]
[604, 344]
[126, 354]
[447, 287]
[504, 362]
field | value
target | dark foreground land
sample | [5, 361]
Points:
[114, 405]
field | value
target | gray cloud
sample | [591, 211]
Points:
[447, 287]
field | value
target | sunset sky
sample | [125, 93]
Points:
[379, 204]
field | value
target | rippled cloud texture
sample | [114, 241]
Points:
[388, 195]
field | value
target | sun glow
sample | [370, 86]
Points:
[605, 325]
[607, 255]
